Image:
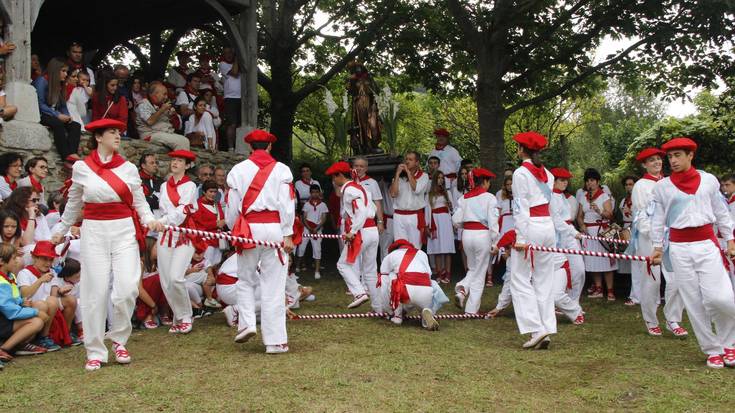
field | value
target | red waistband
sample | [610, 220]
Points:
[369, 223]
[263, 217]
[440, 210]
[474, 225]
[692, 234]
[224, 279]
[540, 210]
[408, 212]
[451, 176]
[415, 278]
[105, 211]
[597, 224]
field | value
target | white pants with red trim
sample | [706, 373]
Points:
[650, 289]
[707, 293]
[532, 288]
[406, 227]
[576, 266]
[272, 282]
[108, 249]
[364, 272]
[172, 264]
[386, 238]
[419, 296]
[316, 247]
[477, 248]
[562, 301]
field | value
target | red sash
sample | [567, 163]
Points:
[540, 210]
[398, 290]
[432, 226]
[121, 189]
[474, 225]
[694, 234]
[225, 279]
[420, 220]
[242, 226]
[172, 192]
[568, 270]
[354, 246]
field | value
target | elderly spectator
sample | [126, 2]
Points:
[220, 177]
[229, 71]
[37, 170]
[11, 165]
[153, 119]
[200, 126]
[107, 102]
[204, 173]
[177, 75]
[75, 60]
[77, 100]
[121, 74]
[7, 112]
[185, 98]
[54, 113]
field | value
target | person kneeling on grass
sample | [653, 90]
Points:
[198, 282]
[405, 283]
[19, 322]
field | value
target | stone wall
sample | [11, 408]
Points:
[32, 139]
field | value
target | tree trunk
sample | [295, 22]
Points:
[282, 120]
[157, 67]
[491, 117]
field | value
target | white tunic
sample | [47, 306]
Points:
[354, 208]
[26, 278]
[527, 193]
[595, 264]
[303, 189]
[482, 208]
[505, 213]
[371, 186]
[444, 241]
[205, 125]
[449, 159]
[392, 262]
[411, 199]
[175, 215]
[5, 190]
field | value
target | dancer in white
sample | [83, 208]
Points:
[568, 238]
[408, 191]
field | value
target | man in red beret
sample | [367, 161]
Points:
[568, 237]
[408, 190]
[689, 203]
[358, 261]
[449, 159]
[261, 205]
[651, 159]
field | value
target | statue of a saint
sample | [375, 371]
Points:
[366, 125]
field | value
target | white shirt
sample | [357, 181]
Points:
[185, 98]
[449, 159]
[392, 262]
[482, 208]
[204, 125]
[562, 216]
[589, 214]
[175, 215]
[409, 199]
[384, 187]
[627, 218]
[581, 193]
[176, 79]
[5, 190]
[231, 83]
[357, 206]
[87, 186]
[314, 213]
[371, 185]
[573, 205]
[527, 193]
[642, 197]
[26, 279]
[275, 195]
[708, 206]
[229, 267]
[77, 106]
[303, 190]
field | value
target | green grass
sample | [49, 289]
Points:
[373, 366]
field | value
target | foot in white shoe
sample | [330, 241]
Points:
[230, 315]
[121, 353]
[461, 297]
[92, 365]
[535, 339]
[359, 300]
[676, 329]
[245, 334]
[317, 276]
[277, 349]
[211, 302]
[715, 362]
[428, 320]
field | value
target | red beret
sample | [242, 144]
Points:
[183, 154]
[562, 173]
[482, 173]
[400, 243]
[441, 132]
[680, 143]
[102, 124]
[259, 135]
[508, 239]
[647, 153]
[44, 249]
[531, 140]
[338, 167]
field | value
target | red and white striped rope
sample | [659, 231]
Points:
[223, 235]
[605, 239]
[590, 253]
[328, 236]
[384, 315]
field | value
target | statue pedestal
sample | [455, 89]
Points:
[381, 164]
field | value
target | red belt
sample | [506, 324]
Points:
[440, 210]
[420, 219]
[106, 211]
[224, 279]
[398, 291]
[694, 234]
[432, 225]
[540, 210]
[263, 217]
[474, 225]
[603, 224]
[570, 222]
[451, 176]
[242, 228]
[369, 223]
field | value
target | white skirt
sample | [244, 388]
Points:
[597, 264]
[444, 241]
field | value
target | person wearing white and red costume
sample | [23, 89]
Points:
[314, 217]
[408, 190]
[568, 237]
[357, 263]
[477, 214]
[689, 203]
[449, 158]
[177, 75]
[37, 170]
[109, 189]
[178, 203]
[532, 279]
[405, 283]
[261, 205]
[640, 244]
[210, 217]
[728, 188]
[303, 185]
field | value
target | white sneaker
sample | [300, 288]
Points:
[121, 353]
[317, 276]
[536, 339]
[396, 320]
[277, 349]
[245, 334]
[92, 365]
[428, 321]
[359, 300]
[230, 315]
[211, 302]
[461, 297]
[311, 297]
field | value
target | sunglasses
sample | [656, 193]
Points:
[35, 200]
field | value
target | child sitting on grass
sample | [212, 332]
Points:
[70, 275]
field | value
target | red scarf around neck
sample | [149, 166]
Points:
[35, 271]
[651, 177]
[261, 158]
[594, 196]
[558, 191]
[478, 190]
[687, 181]
[172, 189]
[537, 171]
[8, 278]
[13, 185]
[731, 199]
[37, 186]
[315, 203]
[114, 162]
[365, 178]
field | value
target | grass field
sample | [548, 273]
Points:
[373, 366]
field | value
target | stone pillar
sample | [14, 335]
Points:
[248, 27]
[18, 64]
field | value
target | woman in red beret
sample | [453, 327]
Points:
[109, 189]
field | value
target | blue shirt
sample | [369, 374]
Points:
[41, 85]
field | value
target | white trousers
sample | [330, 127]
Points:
[576, 265]
[172, 264]
[562, 300]
[194, 282]
[213, 255]
[364, 272]
[477, 248]
[272, 282]
[386, 238]
[227, 293]
[504, 298]
[532, 288]
[705, 287]
[108, 248]
[316, 247]
[406, 227]
[419, 296]
[650, 290]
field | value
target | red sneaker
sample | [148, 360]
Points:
[610, 295]
[715, 362]
[596, 293]
[729, 357]
[121, 353]
[654, 331]
[579, 320]
[92, 365]
[5, 356]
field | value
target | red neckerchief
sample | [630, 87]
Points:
[538, 171]
[145, 177]
[731, 199]
[594, 196]
[36, 185]
[23, 223]
[687, 181]
[417, 174]
[628, 201]
[73, 65]
[478, 190]
[365, 178]
[8, 278]
[195, 262]
[206, 201]
[69, 88]
[315, 203]
[52, 211]
[439, 147]
[188, 89]
[13, 185]
[651, 177]
[172, 189]
[261, 158]
[558, 191]
[114, 162]
[35, 271]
